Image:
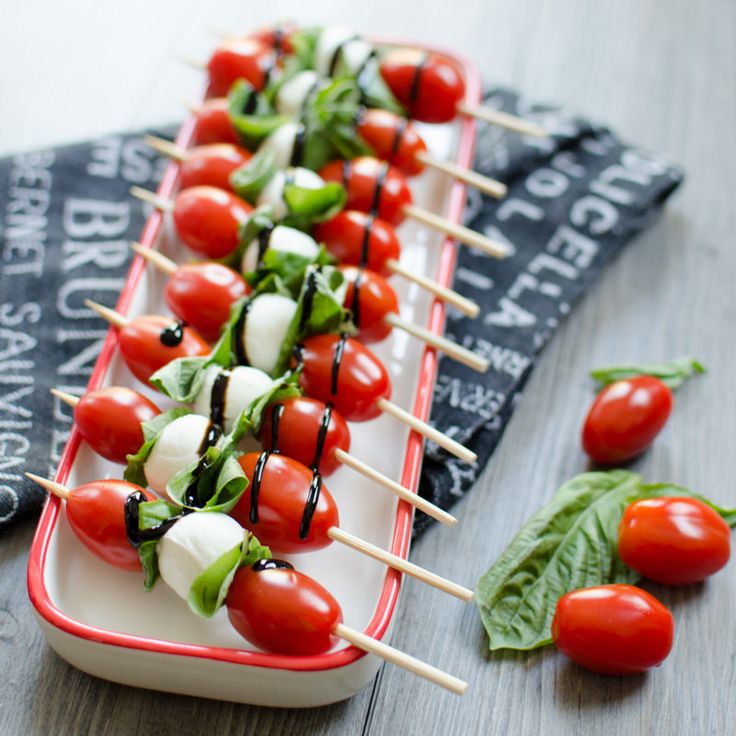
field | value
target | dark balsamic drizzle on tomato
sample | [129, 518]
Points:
[136, 536]
[366, 244]
[239, 335]
[417, 79]
[315, 487]
[173, 334]
[308, 302]
[264, 242]
[401, 127]
[262, 565]
[355, 301]
[218, 396]
[276, 413]
[297, 150]
[378, 191]
[337, 362]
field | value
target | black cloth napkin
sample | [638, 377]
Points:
[574, 200]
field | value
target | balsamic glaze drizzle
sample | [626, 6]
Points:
[362, 71]
[378, 191]
[173, 334]
[297, 150]
[309, 291]
[315, 487]
[251, 103]
[264, 241]
[276, 414]
[416, 80]
[239, 335]
[218, 395]
[366, 244]
[336, 362]
[337, 53]
[136, 536]
[398, 135]
[355, 301]
[262, 565]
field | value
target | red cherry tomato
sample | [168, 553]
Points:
[143, 350]
[208, 220]
[625, 418]
[246, 59]
[299, 425]
[358, 239]
[673, 541]
[613, 629]
[375, 300]
[277, 38]
[212, 165]
[360, 377]
[427, 84]
[393, 139]
[110, 419]
[282, 611]
[213, 124]
[96, 515]
[201, 295]
[282, 496]
[372, 186]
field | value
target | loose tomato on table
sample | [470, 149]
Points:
[673, 541]
[211, 165]
[613, 629]
[213, 123]
[282, 610]
[625, 418]
[110, 420]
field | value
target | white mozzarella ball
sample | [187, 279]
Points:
[284, 240]
[281, 144]
[177, 446]
[244, 385]
[273, 192]
[192, 545]
[355, 54]
[331, 38]
[293, 94]
[266, 325]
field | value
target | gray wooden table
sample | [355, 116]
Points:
[662, 74]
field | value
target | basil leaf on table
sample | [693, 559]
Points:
[209, 590]
[673, 374]
[152, 429]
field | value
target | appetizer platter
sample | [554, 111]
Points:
[265, 387]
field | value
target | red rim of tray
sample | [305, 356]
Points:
[378, 624]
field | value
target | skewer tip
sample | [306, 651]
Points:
[109, 315]
[150, 255]
[65, 397]
[51, 486]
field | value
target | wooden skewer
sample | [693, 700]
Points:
[401, 659]
[165, 205]
[459, 232]
[461, 303]
[503, 119]
[159, 260]
[396, 488]
[167, 148]
[426, 430]
[109, 315]
[483, 183]
[65, 397]
[50, 485]
[400, 564]
[440, 342]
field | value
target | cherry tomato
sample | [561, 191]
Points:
[613, 629]
[358, 239]
[143, 350]
[625, 418]
[212, 165]
[360, 377]
[393, 139]
[299, 425]
[208, 220]
[372, 186]
[282, 496]
[201, 295]
[281, 610]
[96, 515]
[244, 58]
[375, 300]
[110, 419]
[213, 124]
[673, 541]
[277, 38]
[427, 84]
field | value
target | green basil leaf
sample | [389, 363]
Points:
[570, 543]
[285, 388]
[673, 374]
[288, 267]
[209, 590]
[152, 514]
[304, 42]
[152, 429]
[149, 563]
[182, 378]
[374, 92]
[259, 121]
[248, 181]
[307, 206]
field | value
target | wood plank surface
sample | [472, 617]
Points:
[661, 74]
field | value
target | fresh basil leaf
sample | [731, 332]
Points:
[209, 590]
[182, 378]
[570, 543]
[307, 206]
[374, 92]
[285, 388]
[673, 374]
[149, 563]
[135, 472]
[289, 267]
[304, 42]
[248, 181]
[151, 514]
[252, 114]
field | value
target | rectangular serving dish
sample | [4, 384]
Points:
[102, 621]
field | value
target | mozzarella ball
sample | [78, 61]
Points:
[293, 94]
[244, 386]
[352, 51]
[177, 446]
[281, 144]
[192, 545]
[284, 240]
[273, 193]
[266, 325]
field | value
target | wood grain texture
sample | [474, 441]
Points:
[660, 74]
